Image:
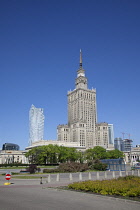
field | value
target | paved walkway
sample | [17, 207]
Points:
[50, 198]
[64, 179]
[44, 198]
[33, 182]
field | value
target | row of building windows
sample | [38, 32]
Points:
[66, 129]
[90, 96]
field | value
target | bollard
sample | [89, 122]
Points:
[113, 174]
[70, 177]
[89, 175]
[57, 178]
[133, 172]
[138, 172]
[97, 175]
[105, 175]
[126, 173]
[120, 174]
[49, 178]
[80, 176]
[41, 180]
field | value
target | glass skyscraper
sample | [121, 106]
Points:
[119, 144]
[111, 133]
[36, 124]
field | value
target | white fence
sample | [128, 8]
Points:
[73, 177]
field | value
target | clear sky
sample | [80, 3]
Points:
[39, 56]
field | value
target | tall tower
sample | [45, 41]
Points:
[82, 126]
[82, 115]
[36, 124]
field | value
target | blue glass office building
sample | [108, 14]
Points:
[10, 146]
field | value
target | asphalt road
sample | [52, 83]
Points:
[43, 198]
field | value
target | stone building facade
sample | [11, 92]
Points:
[82, 124]
[102, 137]
[12, 156]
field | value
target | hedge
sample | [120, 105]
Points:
[127, 186]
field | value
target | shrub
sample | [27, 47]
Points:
[68, 167]
[100, 166]
[97, 165]
[49, 170]
[38, 170]
[73, 167]
[127, 187]
[126, 177]
[32, 169]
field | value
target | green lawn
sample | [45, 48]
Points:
[23, 167]
[13, 167]
[26, 177]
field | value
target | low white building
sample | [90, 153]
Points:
[13, 156]
[133, 156]
[59, 143]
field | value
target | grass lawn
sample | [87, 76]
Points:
[26, 177]
[23, 167]
[13, 167]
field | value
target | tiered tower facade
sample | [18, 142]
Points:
[82, 114]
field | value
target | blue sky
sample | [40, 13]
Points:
[39, 56]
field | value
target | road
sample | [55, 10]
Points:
[43, 198]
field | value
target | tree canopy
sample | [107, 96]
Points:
[50, 154]
[95, 153]
[101, 153]
[114, 154]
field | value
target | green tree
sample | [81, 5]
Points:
[53, 154]
[114, 154]
[33, 154]
[67, 154]
[95, 153]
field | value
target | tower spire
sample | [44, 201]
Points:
[80, 58]
[81, 80]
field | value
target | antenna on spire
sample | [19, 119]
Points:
[80, 58]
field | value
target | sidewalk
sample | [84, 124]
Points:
[34, 182]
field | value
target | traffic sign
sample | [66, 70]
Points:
[8, 176]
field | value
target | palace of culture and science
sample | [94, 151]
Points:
[82, 130]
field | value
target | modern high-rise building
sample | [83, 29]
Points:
[111, 133]
[82, 115]
[36, 124]
[127, 145]
[123, 144]
[119, 144]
